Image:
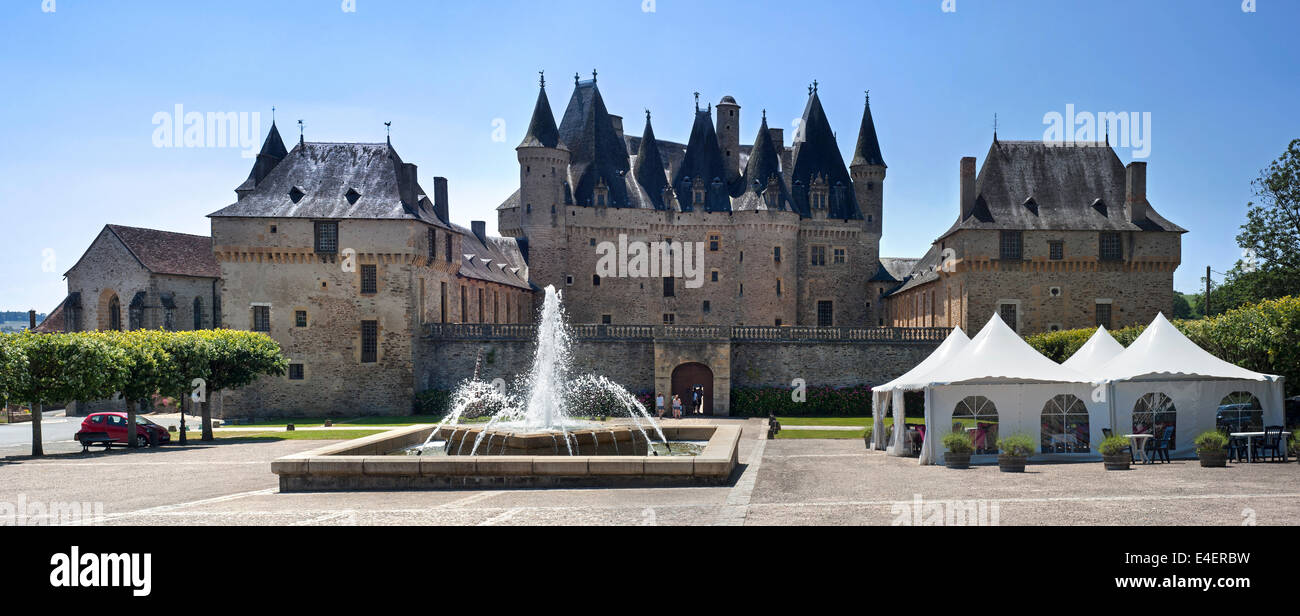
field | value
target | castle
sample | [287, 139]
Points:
[338, 252]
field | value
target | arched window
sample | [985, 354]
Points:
[1240, 411]
[198, 313]
[1153, 413]
[1065, 425]
[115, 314]
[978, 416]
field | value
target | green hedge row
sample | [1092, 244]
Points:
[818, 402]
[1263, 337]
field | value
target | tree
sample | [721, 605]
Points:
[191, 355]
[62, 367]
[1182, 307]
[149, 370]
[238, 358]
[13, 368]
[1270, 238]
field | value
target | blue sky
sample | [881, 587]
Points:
[84, 82]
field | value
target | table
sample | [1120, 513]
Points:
[1139, 441]
[1250, 442]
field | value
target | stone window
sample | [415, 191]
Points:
[369, 279]
[300, 318]
[1012, 245]
[1109, 247]
[776, 254]
[591, 241]
[777, 323]
[670, 286]
[1056, 250]
[1008, 314]
[327, 238]
[840, 255]
[369, 342]
[595, 280]
[464, 305]
[1103, 315]
[273, 229]
[817, 255]
[481, 311]
[707, 308]
[169, 319]
[261, 318]
[713, 275]
[606, 319]
[825, 314]
[778, 286]
[715, 242]
[568, 280]
[295, 372]
[669, 318]
[198, 313]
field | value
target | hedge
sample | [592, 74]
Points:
[819, 402]
[1263, 337]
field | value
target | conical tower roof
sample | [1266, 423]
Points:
[868, 150]
[542, 132]
[650, 167]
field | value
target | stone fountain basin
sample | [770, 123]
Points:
[364, 464]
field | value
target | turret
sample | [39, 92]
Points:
[729, 137]
[273, 151]
[868, 171]
[543, 169]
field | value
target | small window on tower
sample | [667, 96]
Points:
[715, 242]
[606, 319]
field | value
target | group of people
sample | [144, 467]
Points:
[697, 403]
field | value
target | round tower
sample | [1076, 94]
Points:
[868, 172]
[543, 169]
[728, 129]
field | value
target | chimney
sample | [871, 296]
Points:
[440, 199]
[406, 182]
[617, 121]
[31, 319]
[778, 141]
[967, 186]
[480, 230]
[1135, 193]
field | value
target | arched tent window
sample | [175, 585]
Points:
[1065, 425]
[1153, 413]
[198, 313]
[115, 314]
[979, 417]
[1240, 411]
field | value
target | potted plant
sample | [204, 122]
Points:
[1016, 450]
[959, 448]
[1212, 448]
[866, 436]
[1115, 453]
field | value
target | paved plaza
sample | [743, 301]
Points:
[781, 482]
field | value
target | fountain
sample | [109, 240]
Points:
[541, 434]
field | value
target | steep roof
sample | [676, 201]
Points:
[492, 259]
[818, 155]
[763, 167]
[598, 154]
[703, 163]
[273, 151]
[1064, 182]
[166, 252]
[923, 270]
[650, 173]
[316, 180]
[54, 322]
[542, 132]
[893, 269]
[868, 150]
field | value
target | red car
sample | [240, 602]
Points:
[113, 425]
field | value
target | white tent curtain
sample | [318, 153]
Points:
[896, 448]
[1020, 410]
[879, 406]
[1196, 403]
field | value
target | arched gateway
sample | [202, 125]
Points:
[685, 378]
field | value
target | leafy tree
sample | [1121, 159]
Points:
[149, 367]
[1182, 307]
[1270, 239]
[190, 354]
[62, 367]
[13, 367]
[237, 359]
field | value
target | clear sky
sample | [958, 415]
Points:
[84, 82]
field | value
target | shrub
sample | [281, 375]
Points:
[820, 401]
[432, 402]
[958, 442]
[1211, 441]
[1114, 446]
[1019, 445]
[867, 435]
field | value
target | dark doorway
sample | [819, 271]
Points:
[685, 378]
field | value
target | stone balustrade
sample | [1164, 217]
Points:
[739, 333]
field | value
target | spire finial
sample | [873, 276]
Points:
[647, 115]
[810, 89]
[764, 115]
[272, 115]
[593, 75]
[1108, 133]
[697, 102]
[542, 78]
[575, 79]
[388, 126]
[868, 93]
[995, 127]
[814, 86]
[300, 133]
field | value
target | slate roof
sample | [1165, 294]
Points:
[1064, 182]
[893, 269]
[703, 162]
[166, 252]
[492, 259]
[924, 270]
[597, 152]
[868, 150]
[764, 164]
[324, 173]
[273, 151]
[819, 156]
[542, 132]
[649, 170]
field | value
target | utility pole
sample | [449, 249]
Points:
[1207, 290]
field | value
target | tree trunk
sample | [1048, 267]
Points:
[206, 407]
[38, 441]
[130, 424]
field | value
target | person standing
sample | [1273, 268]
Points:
[677, 406]
[659, 405]
[697, 400]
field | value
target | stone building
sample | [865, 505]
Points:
[787, 235]
[1050, 237]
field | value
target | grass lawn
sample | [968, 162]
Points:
[279, 435]
[829, 434]
[841, 421]
[360, 422]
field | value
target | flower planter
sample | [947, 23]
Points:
[1213, 459]
[1012, 464]
[1119, 462]
[958, 461]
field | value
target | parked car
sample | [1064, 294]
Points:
[1239, 418]
[114, 424]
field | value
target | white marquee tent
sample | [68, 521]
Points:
[881, 396]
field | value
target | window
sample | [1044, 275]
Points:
[1155, 414]
[1240, 411]
[169, 319]
[198, 313]
[1009, 316]
[825, 314]
[669, 318]
[327, 238]
[981, 414]
[606, 319]
[713, 275]
[715, 242]
[707, 308]
[295, 372]
[1110, 247]
[300, 318]
[1065, 425]
[1012, 245]
[480, 305]
[433, 243]
[1103, 315]
[464, 305]
[595, 280]
[369, 279]
[670, 286]
[699, 197]
[817, 255]
[1056, 250]
[776, 254]
[369, 342]
[261, 318]
[777, 323]
[442, 301]
[778, 286]
[840, 256]
[115, 314]
[568, 280]
[446, 246]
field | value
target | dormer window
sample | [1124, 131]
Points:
[601, 194]
[1031, 205]
[296, 194]
[352, 196]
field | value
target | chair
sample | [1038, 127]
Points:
[1271, 442]
[1158, 448]
[1238, 449]
[1107, 433]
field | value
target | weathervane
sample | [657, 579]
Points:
[697, 102]
[543, 78]
[388, 126]
[593, 75]
[300, 133]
